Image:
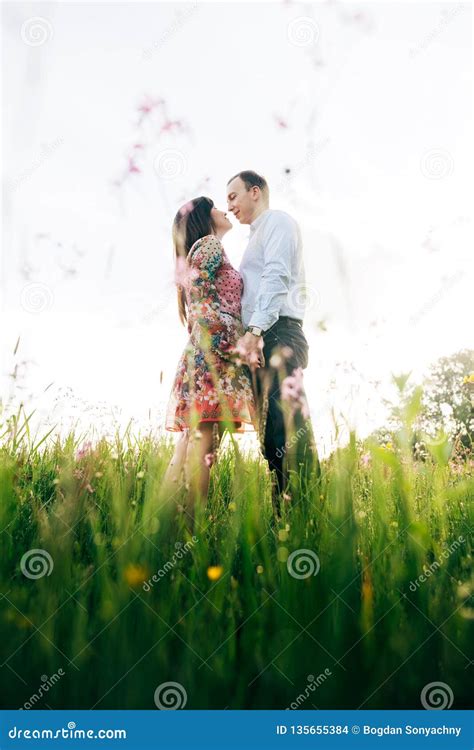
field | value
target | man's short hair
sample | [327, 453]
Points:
[252, 179]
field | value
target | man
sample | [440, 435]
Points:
[273, 307]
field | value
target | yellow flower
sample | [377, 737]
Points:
[469, 378]
[389, 446]
[214, 572]
[20, 620]
[135, 575]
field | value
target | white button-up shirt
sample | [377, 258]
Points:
[272, 270]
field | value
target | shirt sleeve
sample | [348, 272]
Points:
[280, 242]
[208, 331]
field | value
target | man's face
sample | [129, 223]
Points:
[242, 202]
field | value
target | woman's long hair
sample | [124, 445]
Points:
[192, 222]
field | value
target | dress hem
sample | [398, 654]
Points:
[215, 419]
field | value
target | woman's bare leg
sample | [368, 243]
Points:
[199, 458]
[174, 473]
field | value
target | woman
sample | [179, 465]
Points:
[212, 389]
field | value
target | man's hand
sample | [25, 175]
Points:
[250, 347]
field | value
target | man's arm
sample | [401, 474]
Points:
[280, 241]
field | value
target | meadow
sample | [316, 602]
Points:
[359, 596]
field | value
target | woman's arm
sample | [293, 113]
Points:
[209, 331]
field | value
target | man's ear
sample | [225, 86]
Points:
[255, 192]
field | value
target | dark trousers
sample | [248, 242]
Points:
[277, 445]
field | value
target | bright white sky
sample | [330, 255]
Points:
[376, 105]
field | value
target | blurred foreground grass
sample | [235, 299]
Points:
[360, 596]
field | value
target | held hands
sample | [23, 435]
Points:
[250, 348]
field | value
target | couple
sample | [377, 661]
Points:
[246, 334]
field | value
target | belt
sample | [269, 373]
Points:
[284, 318]
[295, 320]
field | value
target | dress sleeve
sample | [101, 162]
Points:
[209, 330]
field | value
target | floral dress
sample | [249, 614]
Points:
[211, 384]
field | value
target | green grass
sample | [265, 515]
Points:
[247, 633]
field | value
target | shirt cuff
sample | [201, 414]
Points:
[262, 321]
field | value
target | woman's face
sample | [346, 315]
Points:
[221, 222]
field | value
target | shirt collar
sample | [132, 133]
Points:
[256, 223]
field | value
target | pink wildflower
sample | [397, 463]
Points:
[84, 450]
[365, 459]
[181, 271]
[292, 391]
[187, 208]
[132, 167]
[209, 459]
